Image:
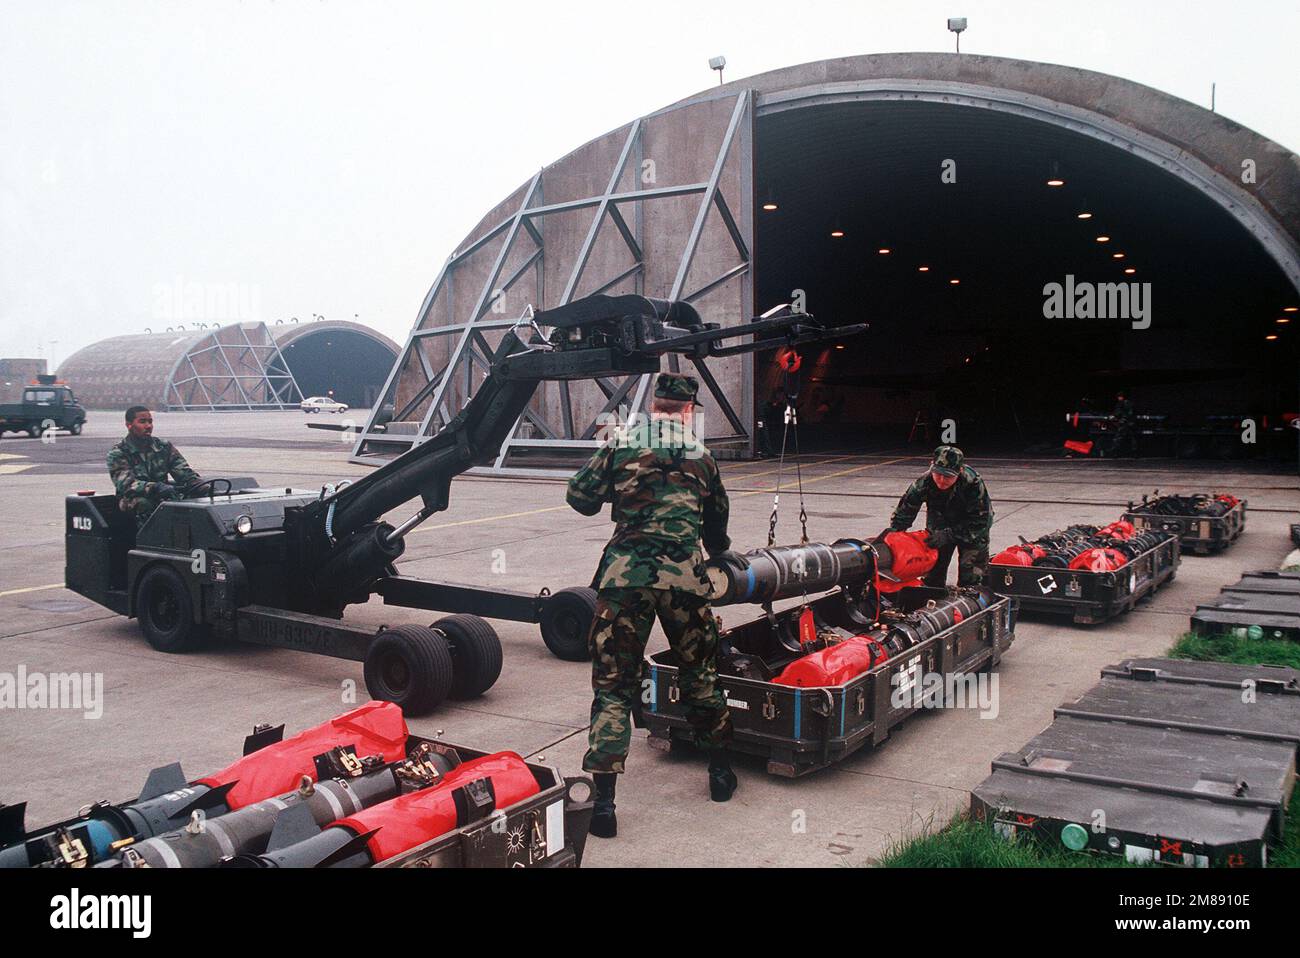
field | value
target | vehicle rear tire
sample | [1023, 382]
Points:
[566, 623]
[410, 666]
[34, 431]
[475, 653]
[75, 429]
[166, 612]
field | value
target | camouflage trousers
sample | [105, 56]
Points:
[619, 632]
[972, 563]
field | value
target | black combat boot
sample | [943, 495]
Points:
[603, 822]
[722, 780]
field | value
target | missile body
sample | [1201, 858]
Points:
[783, 572]
[378, 833]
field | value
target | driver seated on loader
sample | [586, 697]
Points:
[141, 466]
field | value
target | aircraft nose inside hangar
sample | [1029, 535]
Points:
[949, 233]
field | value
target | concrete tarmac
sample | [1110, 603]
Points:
[198, 707]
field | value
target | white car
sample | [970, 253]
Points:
[322, 404]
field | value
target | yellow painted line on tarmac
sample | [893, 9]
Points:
[10, 455]
[13, 469]
[794, 488]
[471, 522]
[34, 588]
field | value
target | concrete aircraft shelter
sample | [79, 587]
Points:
[836, 182]
[239, 366]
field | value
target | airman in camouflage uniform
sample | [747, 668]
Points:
[666, 497]
[958, 516]
[1124, 422]
[140, 466]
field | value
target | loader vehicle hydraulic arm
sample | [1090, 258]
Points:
[594, 337]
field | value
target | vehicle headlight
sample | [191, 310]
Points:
[244, 525]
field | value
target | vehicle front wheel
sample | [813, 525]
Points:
[410, 666]
[75, 429]
[166, 612]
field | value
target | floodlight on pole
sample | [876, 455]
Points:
[957, 25]
[718, 63]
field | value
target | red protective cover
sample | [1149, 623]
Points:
[1230, 500]
[1079, 446]
[376, 728]
[912, 557]
[1099, 560]
[417, 817]
[1119, 529]
[834, 665]
[1019, 555]
[1013, 555]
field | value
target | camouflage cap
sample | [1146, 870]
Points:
[678, 387]
[948, 461]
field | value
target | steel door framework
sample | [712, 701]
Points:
[255, 375]
[471, 349]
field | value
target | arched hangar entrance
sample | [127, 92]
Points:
[332, 357]
[1017, 259]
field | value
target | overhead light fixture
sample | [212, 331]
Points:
[719, 64]
[1130, 270]
[839, 345]
[1271, 336]
[769, 206]
[957, 25]
[837, 233]
[1103, 239]
[1116, 255]
[1085, 215]
[923, 269]
[1290, 309]
[953, 282]
[884, 251]
[1283, 319]
[1054, 175]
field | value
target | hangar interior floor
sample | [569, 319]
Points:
[198, 707]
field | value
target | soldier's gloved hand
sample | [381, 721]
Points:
[166, 490]
[939, 538]
[728, 557]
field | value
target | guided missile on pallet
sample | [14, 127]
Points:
[271, 765]
[782, 572]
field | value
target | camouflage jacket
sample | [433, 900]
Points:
[667, 497]
[138, 467]
[963, 509]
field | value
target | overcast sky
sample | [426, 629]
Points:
[325, 157]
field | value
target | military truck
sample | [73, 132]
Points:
[46, 404]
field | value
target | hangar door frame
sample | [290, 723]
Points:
[470, 351]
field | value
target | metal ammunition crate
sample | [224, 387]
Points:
[547, 830]
[1163, 760]
[1263, 605]
[801, 730]
[1089, 597]
[1197, 533]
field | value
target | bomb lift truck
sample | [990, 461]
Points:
[278, 567]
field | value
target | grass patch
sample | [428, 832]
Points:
[969, 844]
[1227, 648]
